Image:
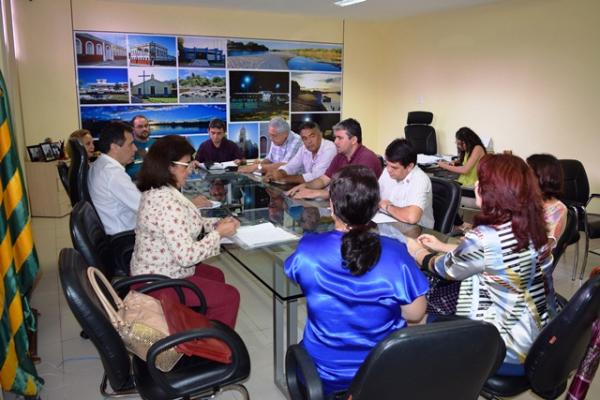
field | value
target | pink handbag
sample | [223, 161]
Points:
[138, 318]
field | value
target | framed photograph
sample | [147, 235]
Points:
[56, 146]
[47, 151]
[35, 153]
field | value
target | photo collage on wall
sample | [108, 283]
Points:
[180, 83]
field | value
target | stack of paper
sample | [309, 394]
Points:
[381, 218]
[251, 236]
[219, 165]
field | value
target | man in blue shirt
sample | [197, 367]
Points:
[143, 142]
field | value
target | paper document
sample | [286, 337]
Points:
[427, 159]
[381, 218]
[219, 165]
[264, 234]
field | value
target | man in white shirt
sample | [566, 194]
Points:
[405, 189]
[113, 193]
[310, 162]
[284, 145]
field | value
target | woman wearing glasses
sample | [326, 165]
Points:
[169, 225]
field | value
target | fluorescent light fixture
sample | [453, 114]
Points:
[344, 3]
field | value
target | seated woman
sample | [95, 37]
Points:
[359, 286]
[470, 150]
[549, 173]
[168, 227]
[501, 261]
[85, 138]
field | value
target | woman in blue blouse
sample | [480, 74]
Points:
[359, 286]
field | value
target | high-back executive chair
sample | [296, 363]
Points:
[190, 378]
[420, 133]
[442, 360]
[63, 174]
[446, 201]
[110, 254]
[78, 173]
[576, 192]
[557, 351]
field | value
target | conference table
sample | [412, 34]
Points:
[252, 201]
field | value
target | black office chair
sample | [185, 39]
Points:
[420, 133]
[78, 173]
[569, 236]
[63, 173]
[557, 351]
[191, 377]
[576, 192]
[443, 360]
[446, 201]
[110, 254]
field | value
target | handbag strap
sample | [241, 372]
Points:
[93, 275]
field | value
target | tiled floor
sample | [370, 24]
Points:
[70, 365]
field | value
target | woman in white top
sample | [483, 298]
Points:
[169, 227]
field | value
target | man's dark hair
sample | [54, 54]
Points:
[132, 122]
[308, 125]
[401, 151]
[352, 128]
[155, 172]
[217, 123]
[114, 132]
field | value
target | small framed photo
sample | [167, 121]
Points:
[47, 151]
[35, 153]
[56, 146]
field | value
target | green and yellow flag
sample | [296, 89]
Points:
[18, 265]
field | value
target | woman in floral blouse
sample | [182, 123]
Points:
[169, 226]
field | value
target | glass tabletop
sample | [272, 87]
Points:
[252, 201]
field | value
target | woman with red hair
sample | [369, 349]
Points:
[501, 262]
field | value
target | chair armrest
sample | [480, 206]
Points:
[297, 358]
[177, 284]
[123, 286]
[592, 197]
[239, 354]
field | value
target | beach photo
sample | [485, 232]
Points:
[101, 49]
[185, 119]
[153, 85]
[151, 50]
[245, 135]
[283, 55]
[102, 85]
[326, 122]
[202, 52]
[316, 91]
[196, 140]
[202, 86]
[258, 96]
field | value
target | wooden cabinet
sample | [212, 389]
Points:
[47, 196]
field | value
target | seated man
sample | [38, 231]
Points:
[310, 162]
[284, 145]
[218, 148]
[113, 193]
[350, 151]
[142, 141]
[405, 189]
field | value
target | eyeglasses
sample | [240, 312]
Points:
[188, 165]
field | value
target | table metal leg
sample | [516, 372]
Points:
[282, 340]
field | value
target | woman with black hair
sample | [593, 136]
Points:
[470, 150]
[359, 286]
[169, 227]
